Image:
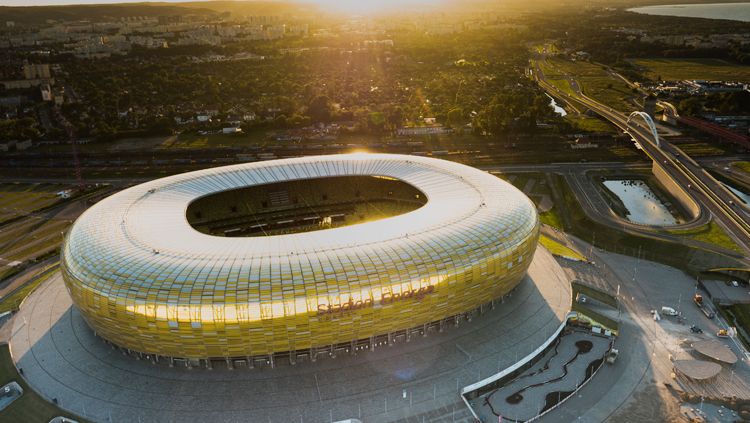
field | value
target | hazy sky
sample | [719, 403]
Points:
[346, 5]
[49, 2]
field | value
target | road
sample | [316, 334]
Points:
[687, 173]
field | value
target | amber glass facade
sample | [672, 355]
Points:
[144, 279]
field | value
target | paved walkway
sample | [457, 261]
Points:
[633, 388]
[62, 359]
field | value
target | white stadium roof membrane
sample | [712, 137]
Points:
[141, 235]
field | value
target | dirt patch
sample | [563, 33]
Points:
[584, 346]
[554, 398]
[515, 398]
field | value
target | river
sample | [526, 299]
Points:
[738, 192]
[559, 110]
[729, 11]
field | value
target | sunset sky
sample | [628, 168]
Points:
[348, 5]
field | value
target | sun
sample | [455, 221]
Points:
[371, 6]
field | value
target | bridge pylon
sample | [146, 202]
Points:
[650, 122]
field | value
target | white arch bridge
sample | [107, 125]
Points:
[649, 122]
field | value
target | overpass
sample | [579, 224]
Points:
[689, 179]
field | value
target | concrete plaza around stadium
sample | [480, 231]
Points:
[62, 358]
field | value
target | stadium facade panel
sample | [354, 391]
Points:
[145, 279]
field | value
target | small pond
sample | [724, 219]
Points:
[643, 206]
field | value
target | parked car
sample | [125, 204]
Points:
[668, 311]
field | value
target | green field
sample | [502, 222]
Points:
[590, 124]
[710, 233]
[12, 301]
[623, 152]
[594, 293]
[739, 315]
[213, 140]
[596, 82]
[30, 407]
[18, 199]
[30, 238]
[561, 80]
[551, 218]
[556, 77]
[26, 235]
[596, 318]
[535, 187]
[559, 249]
[670, 252]
[678, 69]
[742, 166]
[695, 149]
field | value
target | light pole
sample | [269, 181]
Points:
[617, 297]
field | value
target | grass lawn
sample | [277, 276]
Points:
[12, 301]
[30, 238]
[551, 218]
[546, 48]
[677, 69]
[597, 319]
[624, 152]
[20, 199]
[558, 249]
[742, 166]
[557, 78]
[594, 293]
[739, 315]
[597, 83]
[30, 407]
[695, 149]
[6, 272]
[589, 124]
[563, 85]
[710, 233]
[188, 141]
[672, 253]
[539, 193]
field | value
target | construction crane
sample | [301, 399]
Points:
[71, 133]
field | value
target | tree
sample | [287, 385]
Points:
[455, 118]
[376, 122]
[395, 116]
[162, 126]
[319, 109]
[691, 106]
[298, 120]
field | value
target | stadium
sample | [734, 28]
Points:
[297, 256]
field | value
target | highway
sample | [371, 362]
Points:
[688, 174]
